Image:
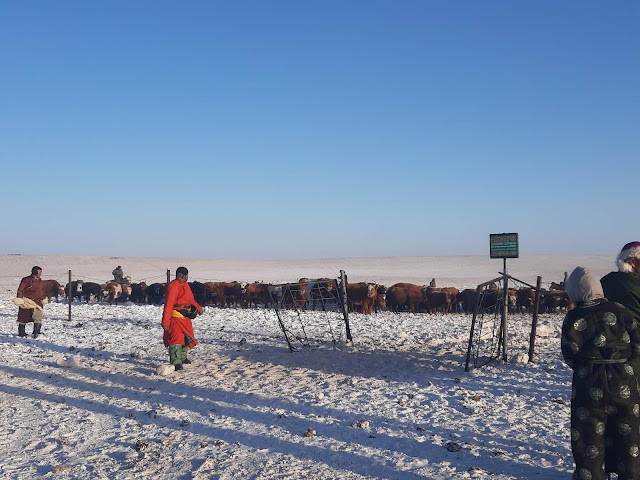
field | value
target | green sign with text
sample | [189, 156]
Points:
[503, 245]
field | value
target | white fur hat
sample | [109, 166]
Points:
[630, 250]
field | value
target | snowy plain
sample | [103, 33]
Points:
[83, 401]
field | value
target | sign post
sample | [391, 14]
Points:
[504, 245]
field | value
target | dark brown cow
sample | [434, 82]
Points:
[52, 289]
[256, 294]
[453, 294]
[405, 294]
[361, 295]
[437, 299]
[214, 294]
[138, 292]
[467, 300]
[555, 300]
[380, 302]
[155, 293]
[525, 299]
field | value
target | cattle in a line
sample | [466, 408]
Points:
[84, 291]
[52, 289]
[155, 293]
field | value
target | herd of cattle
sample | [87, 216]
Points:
[322, 293]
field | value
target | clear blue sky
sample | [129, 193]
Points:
[276, 129]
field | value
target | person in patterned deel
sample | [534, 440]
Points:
[179, 309]
[599, 340]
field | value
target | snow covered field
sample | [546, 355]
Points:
[83, 400]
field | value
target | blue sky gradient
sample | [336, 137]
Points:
[291, 129]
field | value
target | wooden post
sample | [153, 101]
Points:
[534, 322]
[69, 295]
[168, 276]
[345, 309]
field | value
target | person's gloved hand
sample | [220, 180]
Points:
[165, 328]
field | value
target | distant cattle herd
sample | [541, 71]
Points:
[314, 294]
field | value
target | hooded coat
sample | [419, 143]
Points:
[600, 340]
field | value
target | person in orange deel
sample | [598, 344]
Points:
[179, 309]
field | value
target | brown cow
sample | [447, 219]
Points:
[437, 298]
[400, 295]
[256, 293]
[380, 301]
[525, 299]
[361, 294]
[52, 289]
[453, 294]
[116, 292]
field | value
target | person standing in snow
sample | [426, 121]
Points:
[623, 286]
[30, 300]
[179, 308]
[600, 340]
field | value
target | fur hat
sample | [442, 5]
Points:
[630, 250]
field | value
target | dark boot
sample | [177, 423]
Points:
[21, 332]
[186, 361]
[36, 329]
[178, 366]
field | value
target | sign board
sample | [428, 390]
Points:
[503, 245]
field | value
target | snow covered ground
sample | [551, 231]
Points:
[84, 401]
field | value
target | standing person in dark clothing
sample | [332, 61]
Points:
[179, 308]
[30, 299]
[623, 286]
[600, 340]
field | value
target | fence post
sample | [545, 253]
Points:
[534, 322]
[345, 309]
[168, 276]
[69, 294]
